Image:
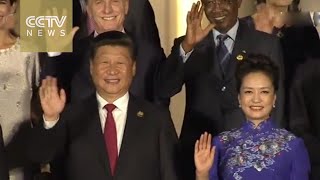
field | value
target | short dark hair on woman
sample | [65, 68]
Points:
[252, 63]
[112, 38]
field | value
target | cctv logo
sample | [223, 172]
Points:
[33, 21]
[48, 22]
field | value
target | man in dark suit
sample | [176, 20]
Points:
[206, 65]
[108, 133]
[4, 173]
[72, 69]
[304, 110]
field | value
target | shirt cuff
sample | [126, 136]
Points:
[54, 54]
[185, 56]
[311, 13]
[49, 124]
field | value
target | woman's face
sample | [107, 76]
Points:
[282, 3]
[7, 20]
[257, 96]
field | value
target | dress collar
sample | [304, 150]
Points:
[263, 126]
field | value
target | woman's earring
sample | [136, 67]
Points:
[239, 105]
[274, 106]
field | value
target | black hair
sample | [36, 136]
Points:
[13, 1]
[257, 63]
[112, 38]
[294, 6]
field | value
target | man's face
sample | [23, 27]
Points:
[112, 70]
[222, 13]
[107, 15]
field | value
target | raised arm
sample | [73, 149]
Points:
[203, 156]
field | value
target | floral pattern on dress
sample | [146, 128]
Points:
[249, 147]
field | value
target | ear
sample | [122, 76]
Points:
[91, 67]
[126, 6]
[134, 68]
[14, 7]
[88, 8]
[239, 3]
[274, 98]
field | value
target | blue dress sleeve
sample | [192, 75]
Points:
[214, 172]
[300, 165]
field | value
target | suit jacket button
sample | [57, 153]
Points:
[223, 88]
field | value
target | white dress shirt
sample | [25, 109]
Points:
[119, 115]
[232, 33]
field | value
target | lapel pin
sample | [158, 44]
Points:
[140, 114]
[280, 34]
[240, 57]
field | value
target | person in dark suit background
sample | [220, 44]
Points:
[298, 37]
[206, 67]
[4, 173]
[72, 69]
[304, 110]
[105, 135]
[140, 21]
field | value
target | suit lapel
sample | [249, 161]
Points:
[96, 136]
[134, 123]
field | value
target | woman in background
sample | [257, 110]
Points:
[257, 150]
[19, 73]
[298, 36]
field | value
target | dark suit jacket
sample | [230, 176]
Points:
[141, 22]
[147, 151]
[3, 166]
[211, 101]
[304, 110]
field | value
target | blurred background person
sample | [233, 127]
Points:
[305, 110]
[19, 78]
[257, 150]
[299, 40]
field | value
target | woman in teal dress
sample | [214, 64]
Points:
[258, 150]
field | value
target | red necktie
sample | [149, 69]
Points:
[110, 137]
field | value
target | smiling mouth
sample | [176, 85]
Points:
[109, 18]
[112, 81]
[256, 108]
[220, 18]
